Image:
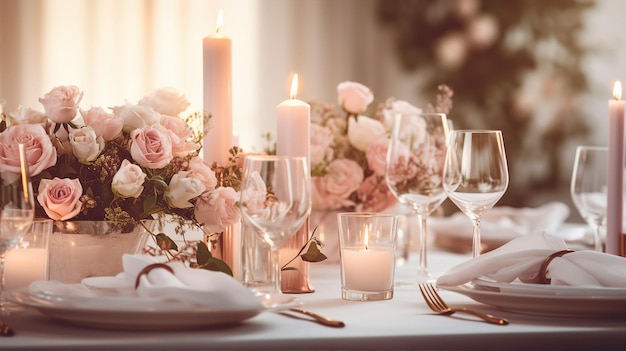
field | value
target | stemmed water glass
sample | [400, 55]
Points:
[588, 187]
[17, 209]
[475, 174]
[275, 200]
[414, 169]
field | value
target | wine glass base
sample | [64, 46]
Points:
[277, 301]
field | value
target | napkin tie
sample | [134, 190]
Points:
[150, 267]
[543, 270]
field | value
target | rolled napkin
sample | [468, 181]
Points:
[522, 259]
[498, 226]
[174, 281]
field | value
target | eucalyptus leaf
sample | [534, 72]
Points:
[313, 253]
[217, 265]
[165, 242]
[203, 255]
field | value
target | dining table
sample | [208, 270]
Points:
[402, 323]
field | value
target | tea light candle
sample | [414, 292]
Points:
[368, 269]
[23, 266]
[615, 174]
[217, 76]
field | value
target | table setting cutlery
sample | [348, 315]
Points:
[438, 305]
[316, 317]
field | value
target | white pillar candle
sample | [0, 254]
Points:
[294, 125]
[615, 174]
[23, 266]
[217, 83]
[368, 269]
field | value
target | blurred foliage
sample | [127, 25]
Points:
[514, 65]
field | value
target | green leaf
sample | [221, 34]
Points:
[217, 265]
[313, 253]
[203, 255]
[164, 242]
[149, 203]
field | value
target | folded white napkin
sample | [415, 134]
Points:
[196, 286]
[521, 259]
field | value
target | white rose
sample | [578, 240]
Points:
[182, 189]
[166, 101]
[136, 117]
[128, 181]
[25, 115]
[354, 97]
[86, 145]
[363, 131]
[398, 107]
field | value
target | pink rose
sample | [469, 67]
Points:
[61, 103]
[107, 125]
[376, 155]
[165, 101]
[332, 191]
[354, 97]
[198, 169]
[60, 198]
[40, 152]
[374, 195]
[217, 209]
[151, 147]
[321, 142]
[253, 196]
[180, 134]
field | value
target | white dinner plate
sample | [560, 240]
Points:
[75, 304]
[547, 300]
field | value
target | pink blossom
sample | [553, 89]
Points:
[254, 194]
[217, 209]
[61, 103]
[332, 191]
[198, 169]
[373, 194]
[376, 155]
[321, 142]
[151, 147]
[105, 124]
[60, 198]
[40, 152]
[180, 133]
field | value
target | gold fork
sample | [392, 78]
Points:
[436, 303]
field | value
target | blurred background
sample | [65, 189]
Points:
[541, 71]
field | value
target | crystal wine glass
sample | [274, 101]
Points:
[17, 209]
[275, 200]
[588, 187]
[414, 169]
[475, 174]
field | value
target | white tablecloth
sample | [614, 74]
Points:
[405, 322]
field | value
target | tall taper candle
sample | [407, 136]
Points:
[217, 83]
[292, 139]
[615, 177]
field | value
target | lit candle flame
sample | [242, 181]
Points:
[219, 21]
[366, 233]
[294, 87]
[617, 90]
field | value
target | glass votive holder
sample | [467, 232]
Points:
[367, 252]
[28, 261]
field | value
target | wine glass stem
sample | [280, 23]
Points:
[423, 261]
[476, 246]
[597, 243]
[2, 256]
[274, 262]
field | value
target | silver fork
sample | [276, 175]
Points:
[436, 303]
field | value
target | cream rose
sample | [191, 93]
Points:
[321, 142]
[135, 116]
[60, 198]
[40, 152]
[362, 131]
[128, 181]
[107, 125]
[151, 147]
[396, 108]
[180, 133]
[182, 189]
[166, 101]
[198, 169]
[86, 145]
[24, 115]
[354, 97]
[61, 103]
[217, 209]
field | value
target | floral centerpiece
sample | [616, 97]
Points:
[123, 164]
[349, 147]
